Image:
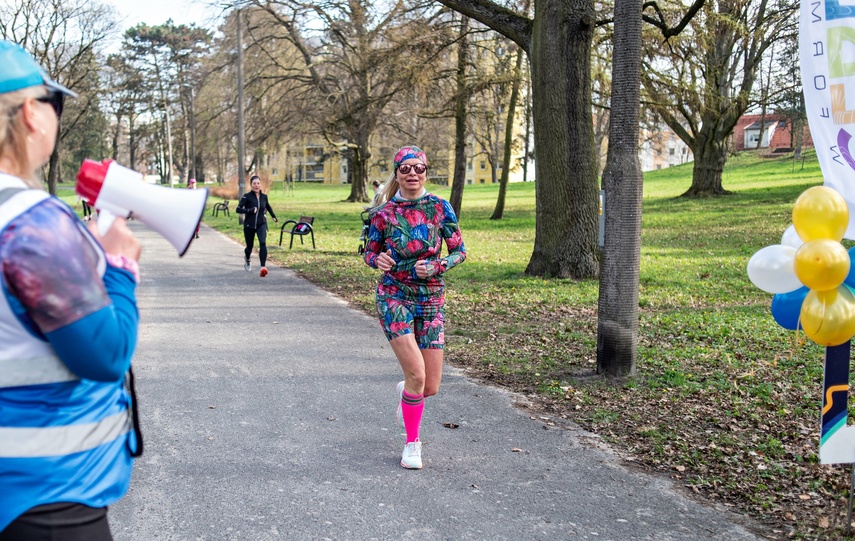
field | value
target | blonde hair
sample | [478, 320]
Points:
[13, 134]
[388, 190]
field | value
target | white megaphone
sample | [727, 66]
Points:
[118, 191]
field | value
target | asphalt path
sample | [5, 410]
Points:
[268, 411]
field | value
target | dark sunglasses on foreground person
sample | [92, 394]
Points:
[54, 99]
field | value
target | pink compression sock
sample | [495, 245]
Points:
[412, 407]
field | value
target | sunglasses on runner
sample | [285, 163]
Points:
[55, 100]
[419, 168]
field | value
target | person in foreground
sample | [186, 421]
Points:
[68, 329]
[405, 242]
[254, 204]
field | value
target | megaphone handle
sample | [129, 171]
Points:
[105, 220]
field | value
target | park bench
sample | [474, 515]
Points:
[223, 206]
[301, 228]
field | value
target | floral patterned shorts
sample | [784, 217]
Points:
[400, 315]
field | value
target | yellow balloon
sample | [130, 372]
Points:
[828, 317]
[821, 264]
[820, 213]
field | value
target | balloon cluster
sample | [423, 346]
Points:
[810, 272]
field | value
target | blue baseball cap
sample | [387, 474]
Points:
[19, 70]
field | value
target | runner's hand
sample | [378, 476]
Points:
[384, 261]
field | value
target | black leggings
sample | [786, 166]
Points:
[60, 522]
[249, 235]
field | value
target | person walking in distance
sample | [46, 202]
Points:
[405, 242]
[68, 329]
[254, 205]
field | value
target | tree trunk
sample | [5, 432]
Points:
[526, 150]
[558, 41]
[567, 191]
[617, 314]
[53, 172]
[499, 211]
[459, 179]
[797, 138]
[131, 142]
[359, 171]
[115, 141]
[798, 130]
[707, 169]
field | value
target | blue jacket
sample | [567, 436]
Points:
[68, 329]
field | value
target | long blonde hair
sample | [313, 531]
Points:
[13, 134]
[387, 190]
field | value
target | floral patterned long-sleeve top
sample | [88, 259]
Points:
[414, 230]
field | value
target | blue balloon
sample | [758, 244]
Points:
[850, 278]
[786, 307]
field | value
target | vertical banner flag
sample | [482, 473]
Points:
[827, 54]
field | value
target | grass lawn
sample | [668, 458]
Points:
[725, 402]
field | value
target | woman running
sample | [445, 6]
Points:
[405, 242]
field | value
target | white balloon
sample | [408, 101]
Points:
[791, 238]
[772, 270]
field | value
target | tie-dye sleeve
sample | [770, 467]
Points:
[50, 276]
[50, 268]
[376, 240]
[453, 239]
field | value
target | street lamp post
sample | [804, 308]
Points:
[241, 134]
[192, 136]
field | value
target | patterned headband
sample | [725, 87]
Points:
[409, 152]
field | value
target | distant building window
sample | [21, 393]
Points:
[658, 166]
[483, 166]
[482, 181]
[469, 165]
[384, 168]
[275, 171]
[671, 151]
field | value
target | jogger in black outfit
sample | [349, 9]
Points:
[254, 204]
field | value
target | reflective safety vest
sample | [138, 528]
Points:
[62, 439]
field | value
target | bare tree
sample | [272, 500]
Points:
[701, 82]
[166, 54]
[461, 103]
[516, 81]
[354, 66]
[558, 43]
[66, 38]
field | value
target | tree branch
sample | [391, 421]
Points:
[504, 21]
[660, 22]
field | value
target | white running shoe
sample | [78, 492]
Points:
[399, 413]
[246, 265]
[411, 458]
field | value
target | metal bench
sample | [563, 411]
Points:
[224, 207]
[301, 227]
